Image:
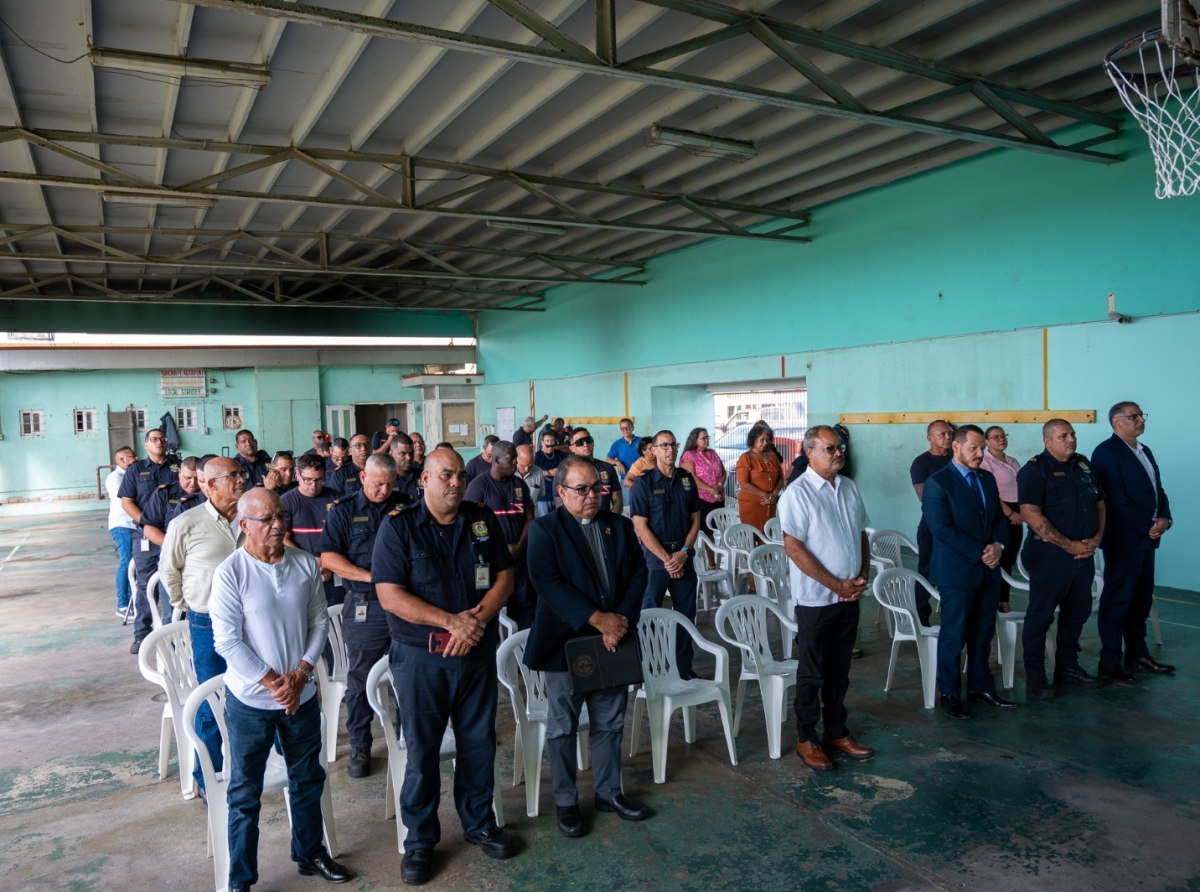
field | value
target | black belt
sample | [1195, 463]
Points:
[364, 596]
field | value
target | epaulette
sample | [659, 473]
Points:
[395, 511]
[336, 502]
[1034, 458]
[163, 485]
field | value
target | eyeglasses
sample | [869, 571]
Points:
[1135, 416]
[281, 519]
[666, 445]
[583, 441]
[829, 450]
[156, 439]
[583, 489]
[320, 479]
[237, 475]
[998, 437]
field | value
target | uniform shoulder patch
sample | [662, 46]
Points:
[335, 502]
[394, 512]
[1034, 458]
[162, 486]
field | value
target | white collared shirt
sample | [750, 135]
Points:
[1140, 452]
[267, 616]
[829, 518]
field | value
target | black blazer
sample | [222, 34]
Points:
[1130, 502]
[566, 579]
[960, 530]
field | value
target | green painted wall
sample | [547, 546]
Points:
[96, 317]
[282, 406]
[926, 295]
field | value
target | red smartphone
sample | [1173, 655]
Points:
[438, 642]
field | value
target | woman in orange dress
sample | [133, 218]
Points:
[760, 477]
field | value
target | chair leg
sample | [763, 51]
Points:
[772, 688]
[725, 710]
[331, 842]
[518, 757]
[660, 723]
[927, 652]
[583, 750]
[1051, 650]
[497, 802]
[887, 685]
[533, 766]
[390, 799]
[164, 745]
[332, 708]
[737, 708]
[689, 724]
[635, 732]
[1154, 621]
[1007, 641]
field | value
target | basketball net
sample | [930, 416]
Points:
[1163, 94]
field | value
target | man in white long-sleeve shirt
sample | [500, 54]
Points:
[269, 621]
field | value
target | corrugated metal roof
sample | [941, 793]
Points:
[394, 136]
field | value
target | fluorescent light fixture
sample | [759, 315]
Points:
[220, 341]
[246, 74]
[151, 199]
[534, 228]
[705, 143]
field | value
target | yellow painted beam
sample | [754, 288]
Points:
[606, 419]
[989, 416]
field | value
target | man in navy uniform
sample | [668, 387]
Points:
[254, 462]
[507, 495]
[346, 546]
[961, 507]
[338, 458]
[666, 514]
[590, 576]
[1138, 515]
[307, 507]
[166, 503]
[443, 571]
[583, 445]
[347, 480]
[408, 481]
[1063, 506]
[142, 479]
[924, 466]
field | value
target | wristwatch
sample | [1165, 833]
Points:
[307, 673]
[684, 549]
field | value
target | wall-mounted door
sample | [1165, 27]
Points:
[339, 421]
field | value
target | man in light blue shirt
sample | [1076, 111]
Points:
[269, 620]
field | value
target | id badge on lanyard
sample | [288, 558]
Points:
[360, 610]
[483, 576]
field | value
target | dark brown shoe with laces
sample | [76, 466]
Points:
[814, 757]
[850, 747]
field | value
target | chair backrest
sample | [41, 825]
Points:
[742, 622]
[657, 629]
[773, 530]
[896, 589]
[526, 687]
[337, 643]
[377, 679]
[211, 692]
[705, 550]
[769, 564]
[885, 545]
[721, 519]
[508, 625]
[742, 537]
[165, 659]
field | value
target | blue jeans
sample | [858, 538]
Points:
[209, 664]
[252, 734]
[432, 690]
[123, 538]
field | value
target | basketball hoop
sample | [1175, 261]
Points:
[1162, 91]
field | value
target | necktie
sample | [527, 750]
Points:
[973, 478]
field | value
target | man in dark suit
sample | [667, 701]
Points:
[1138, 515]
[961, 507]
[590, 577]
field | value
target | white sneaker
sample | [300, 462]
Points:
[121, 612]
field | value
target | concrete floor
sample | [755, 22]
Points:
[1097, 790]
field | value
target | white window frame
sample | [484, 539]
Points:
[231, 410]
[36, 422]
[179, 419]
[86, 423]
[141, 418]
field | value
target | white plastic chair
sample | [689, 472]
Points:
[508, 625]
[742, 622]
[896, 590]
[771, 569]
[772, 530]
[131, 607]
[663, 691]
[531, 711]
[332, 684]
[378, 681]
[720, 520]
[156, 616]
[886, 549]
[165, 659]
[712, 574]
[737, 542]
[216, 783]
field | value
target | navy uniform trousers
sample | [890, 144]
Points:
[1056, 581]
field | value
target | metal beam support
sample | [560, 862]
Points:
[373, 200]
[333, 18]
[606, 31]
[548, 31]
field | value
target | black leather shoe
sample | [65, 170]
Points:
[136, 646]
[1149, 664]
[495, 843]
[1076, 675]
[992, 700]
[953, 707]
[416, 867]
[1038, 689]
[203, 794]
[623, 807]
[1114, 673]
[360, 762]
[570, 821]
[326, 868]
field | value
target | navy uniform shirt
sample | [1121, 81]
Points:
[350, 529]
[437, 564]
[1067, 493]
[508, 499]
[667, 503]
[926, 465]
[186, 502]
[477, 467]
[143, 478]
[410, 485]
[346, 479]
[168, 502]
[610, 480]
[306, 517]
[255, 470]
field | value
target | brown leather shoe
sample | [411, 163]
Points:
[814, 757]
[1149, 664]
[850, 747]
